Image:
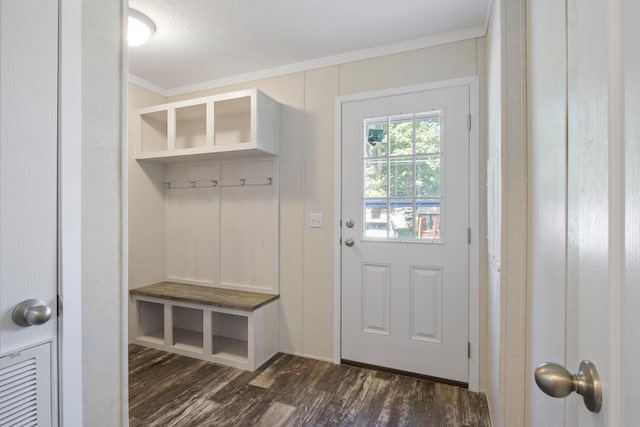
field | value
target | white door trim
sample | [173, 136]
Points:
[69, 207]
[617, 136]
[124, 215]
[474, 212]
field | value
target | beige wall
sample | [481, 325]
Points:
[307, 175]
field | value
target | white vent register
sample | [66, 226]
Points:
[25, 388]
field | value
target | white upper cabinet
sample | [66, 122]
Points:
[238, 124]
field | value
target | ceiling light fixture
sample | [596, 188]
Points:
[140, 28]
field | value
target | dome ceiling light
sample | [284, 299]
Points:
[140, 28]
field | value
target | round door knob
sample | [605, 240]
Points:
[556, 381]
[31, 312]
[349, 242]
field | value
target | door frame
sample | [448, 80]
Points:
[474, 212]
[69, 212]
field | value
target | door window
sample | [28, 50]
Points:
[402, 179]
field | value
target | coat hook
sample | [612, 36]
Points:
[268, 180]
[242, 181]
[193, 183]
[167, 184]
[214, 182]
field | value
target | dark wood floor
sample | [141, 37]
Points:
[171, 390]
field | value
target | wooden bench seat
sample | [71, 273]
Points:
[235, 328]
[217, 297]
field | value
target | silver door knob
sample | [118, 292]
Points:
[557, 381]
[31, 312]
[349, 242]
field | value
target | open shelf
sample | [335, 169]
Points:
[187, 328]
[151, 322]
[230, 348]
[186, 339]
[156, 337]
[233, 125]
[191, 127]
[154, 131]
[230, 336]
[232, 119]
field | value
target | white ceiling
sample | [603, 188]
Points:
[199, 41]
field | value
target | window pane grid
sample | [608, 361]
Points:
[403, 177]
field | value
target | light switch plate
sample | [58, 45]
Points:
[315, 220]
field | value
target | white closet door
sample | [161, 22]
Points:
[28, 205]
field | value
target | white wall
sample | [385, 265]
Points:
[307, 175]
[103, 364]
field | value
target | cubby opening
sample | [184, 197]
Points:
[191, 126]
[232, 119]
[230, 336]
[154, 131]
[187, 328]
[151, 322]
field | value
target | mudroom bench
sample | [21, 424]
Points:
[230, 327]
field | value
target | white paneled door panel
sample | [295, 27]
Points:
[426, 304]
[375, 298]
[405, 219]
[28, 205]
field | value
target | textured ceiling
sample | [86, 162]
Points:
[204, 40]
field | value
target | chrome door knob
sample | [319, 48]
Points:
[31, 312]
[556, 381]
[349, 242]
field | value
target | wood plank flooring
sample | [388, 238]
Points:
[171, 390]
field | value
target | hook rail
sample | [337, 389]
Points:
[214, 183]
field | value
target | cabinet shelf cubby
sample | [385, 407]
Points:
[187, 328]
[233, 125]
[151, 322]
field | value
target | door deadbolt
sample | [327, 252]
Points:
[350, 223]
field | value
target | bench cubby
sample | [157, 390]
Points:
[229, 327]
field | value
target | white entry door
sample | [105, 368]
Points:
[405, 220]
[28, 209]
